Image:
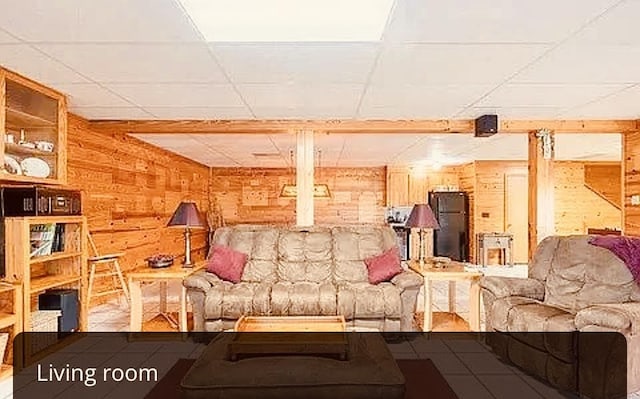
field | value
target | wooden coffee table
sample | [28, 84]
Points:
[290, 324]
[452, 272]
[281, 335]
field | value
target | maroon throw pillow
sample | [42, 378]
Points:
[385, 266]
[227, 263]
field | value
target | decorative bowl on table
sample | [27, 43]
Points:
[160, 261]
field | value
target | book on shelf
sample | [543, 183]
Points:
[42, 237]
[58, 239]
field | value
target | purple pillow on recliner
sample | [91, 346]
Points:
[625, 248]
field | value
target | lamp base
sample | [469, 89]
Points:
[188, 265]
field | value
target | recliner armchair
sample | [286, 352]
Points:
[572, 286]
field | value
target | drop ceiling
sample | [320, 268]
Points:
[459, 59]
[144, 59]
[366, 150]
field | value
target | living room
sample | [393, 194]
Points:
[520, 111]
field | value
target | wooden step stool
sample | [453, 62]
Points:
[112, 265]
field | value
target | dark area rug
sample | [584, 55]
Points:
[422, 380]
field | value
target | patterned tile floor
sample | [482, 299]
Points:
[470, 370]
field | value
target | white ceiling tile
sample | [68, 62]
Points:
[540, 112]
[6, 38]
[139, 63]
[621, 105]
[617, 26]
[97, 21]
[438, 64]
[26, 60]
[309, 112]
[308, 62]
[179, 94]
[576, 64]
[592, 146]
[199, 112]
[111, 113]
[91, 95]
[546, 95]
[424, 111]
[301, 96]
[490, 20]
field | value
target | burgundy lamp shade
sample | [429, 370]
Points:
[422, 217]
[186, 215]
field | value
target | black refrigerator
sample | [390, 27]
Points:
[451, 208]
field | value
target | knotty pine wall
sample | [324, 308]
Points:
[130, 190]
[576, 207]
[631, 160]
[251, 195]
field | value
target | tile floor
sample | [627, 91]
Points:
[470, 370]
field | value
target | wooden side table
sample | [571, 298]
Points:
[163, 276]
[452, 272]
[487, 241]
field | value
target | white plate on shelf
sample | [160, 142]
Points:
[35, 167]
[11, 165]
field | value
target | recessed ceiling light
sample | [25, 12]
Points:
[289, 20]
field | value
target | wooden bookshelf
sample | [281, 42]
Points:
[65, 269]
[10, 321]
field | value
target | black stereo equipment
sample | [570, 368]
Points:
[40, 201]
[65, 300]
[486, 125]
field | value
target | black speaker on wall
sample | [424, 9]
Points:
[486, 125]
[65, 300]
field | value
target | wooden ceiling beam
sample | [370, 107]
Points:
[359, 126]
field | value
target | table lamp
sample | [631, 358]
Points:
[187, 216]
[422, 217]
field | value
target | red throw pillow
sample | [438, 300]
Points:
[385, 266]
[226, 263]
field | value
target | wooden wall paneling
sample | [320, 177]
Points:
[631, 146]
[603, 178]
[516, 214]
[357, 195]
[577, 207]
[130, 190]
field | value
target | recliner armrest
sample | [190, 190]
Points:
[407, 279]
[502, 287]
[201, 280]
[622, 317]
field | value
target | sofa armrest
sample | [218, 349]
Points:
[502, 287]
[407, 279]
[622, 317]
[201, 280]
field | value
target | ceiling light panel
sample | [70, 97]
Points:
[289, 20]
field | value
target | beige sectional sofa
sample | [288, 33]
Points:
[305, 271]
[572, 286]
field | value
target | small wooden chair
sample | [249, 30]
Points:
[112, 261]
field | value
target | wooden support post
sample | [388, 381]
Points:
[541, 196]
[304, 177]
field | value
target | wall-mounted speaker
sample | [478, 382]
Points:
[486, 125]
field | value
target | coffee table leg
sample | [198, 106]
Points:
[474, 305]
[135, 291]
[428, 315]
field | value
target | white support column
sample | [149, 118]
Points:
[304, 177]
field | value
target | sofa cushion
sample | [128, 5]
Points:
[367, 301]
[227, 263]
[582, 275]
[234, 300]
[305, 256]
[384, 267]
[303, 298]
